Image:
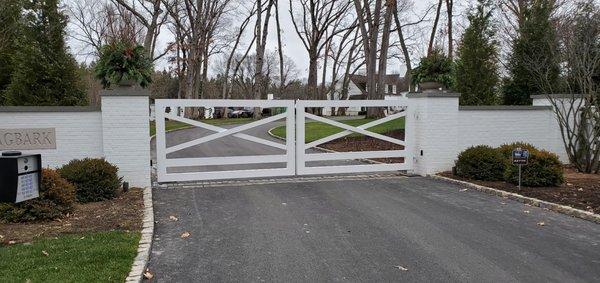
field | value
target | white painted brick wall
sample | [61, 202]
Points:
[78, 134]
[442, 131]
[119, 133]
[497, 127]
[126, 137]
[435, 138]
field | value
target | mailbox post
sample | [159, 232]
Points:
[20, 176]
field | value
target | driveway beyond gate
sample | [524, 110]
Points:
[364, 229]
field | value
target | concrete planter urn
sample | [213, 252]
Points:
[430, 87]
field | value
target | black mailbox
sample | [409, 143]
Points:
[20, 176]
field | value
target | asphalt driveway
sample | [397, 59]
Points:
[364, 229]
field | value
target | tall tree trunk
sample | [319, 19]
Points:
[405, 53]
[449, 5]
[262, 30]
[279, 51]
[377, 112]
[434, 28]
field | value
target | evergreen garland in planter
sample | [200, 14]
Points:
[123, 64]
[437, 68]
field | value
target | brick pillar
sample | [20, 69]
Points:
[126, 133]
[435, 135]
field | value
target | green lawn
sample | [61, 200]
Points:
[318, 130]
[174, 125]
[93, 257]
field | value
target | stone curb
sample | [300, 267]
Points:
[574, 212]
[143, 252]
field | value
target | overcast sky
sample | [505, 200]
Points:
[293, 47]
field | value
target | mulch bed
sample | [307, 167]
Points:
[580, 191]
[123, 213]
[366, 143]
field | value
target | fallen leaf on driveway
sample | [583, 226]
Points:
[463, 190]
[45, 253]
[401, 268]
[172, 217]
[148, 275]
[185, 235]
[541, 223]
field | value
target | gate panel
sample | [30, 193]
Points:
[163, 163]
[302, 157]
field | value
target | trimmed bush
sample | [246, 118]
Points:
[480, 163]
[94, 179]
[57, 197]
[506, 149]
[544, 170]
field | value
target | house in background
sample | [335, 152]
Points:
[395, 87]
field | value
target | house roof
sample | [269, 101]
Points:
[393, 79]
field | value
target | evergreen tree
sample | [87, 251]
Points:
[10, 12]
[477, 66]
[534, 47]
[45, 73]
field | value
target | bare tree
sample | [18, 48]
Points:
[449, 6]
[578, 108]
[261, 30]
[237, 42]
[316, 22]
[98, 23]
[197, 24]
[403, 6]
[434, 28]
[370, 26]
[151, 15]
[279, 50]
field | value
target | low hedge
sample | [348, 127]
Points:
[480, 163]
[94, 179]
[507, 149]
[488, 164]
[543, 170]
[57, 198]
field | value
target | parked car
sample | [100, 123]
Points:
[241, 113]
[220, 112]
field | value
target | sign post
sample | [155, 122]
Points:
[520, 157]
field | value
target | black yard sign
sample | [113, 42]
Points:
[520, 156]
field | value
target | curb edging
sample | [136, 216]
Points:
[574, 212]
[143, 252]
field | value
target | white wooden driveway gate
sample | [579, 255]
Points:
[302, 156]
[163, 163]
[296, 155]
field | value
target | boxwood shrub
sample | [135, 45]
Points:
[480, 163]
[57, 198]
[94, 179]
[506, 149]
[544, 169]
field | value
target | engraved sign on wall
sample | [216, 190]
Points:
[25, 139]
